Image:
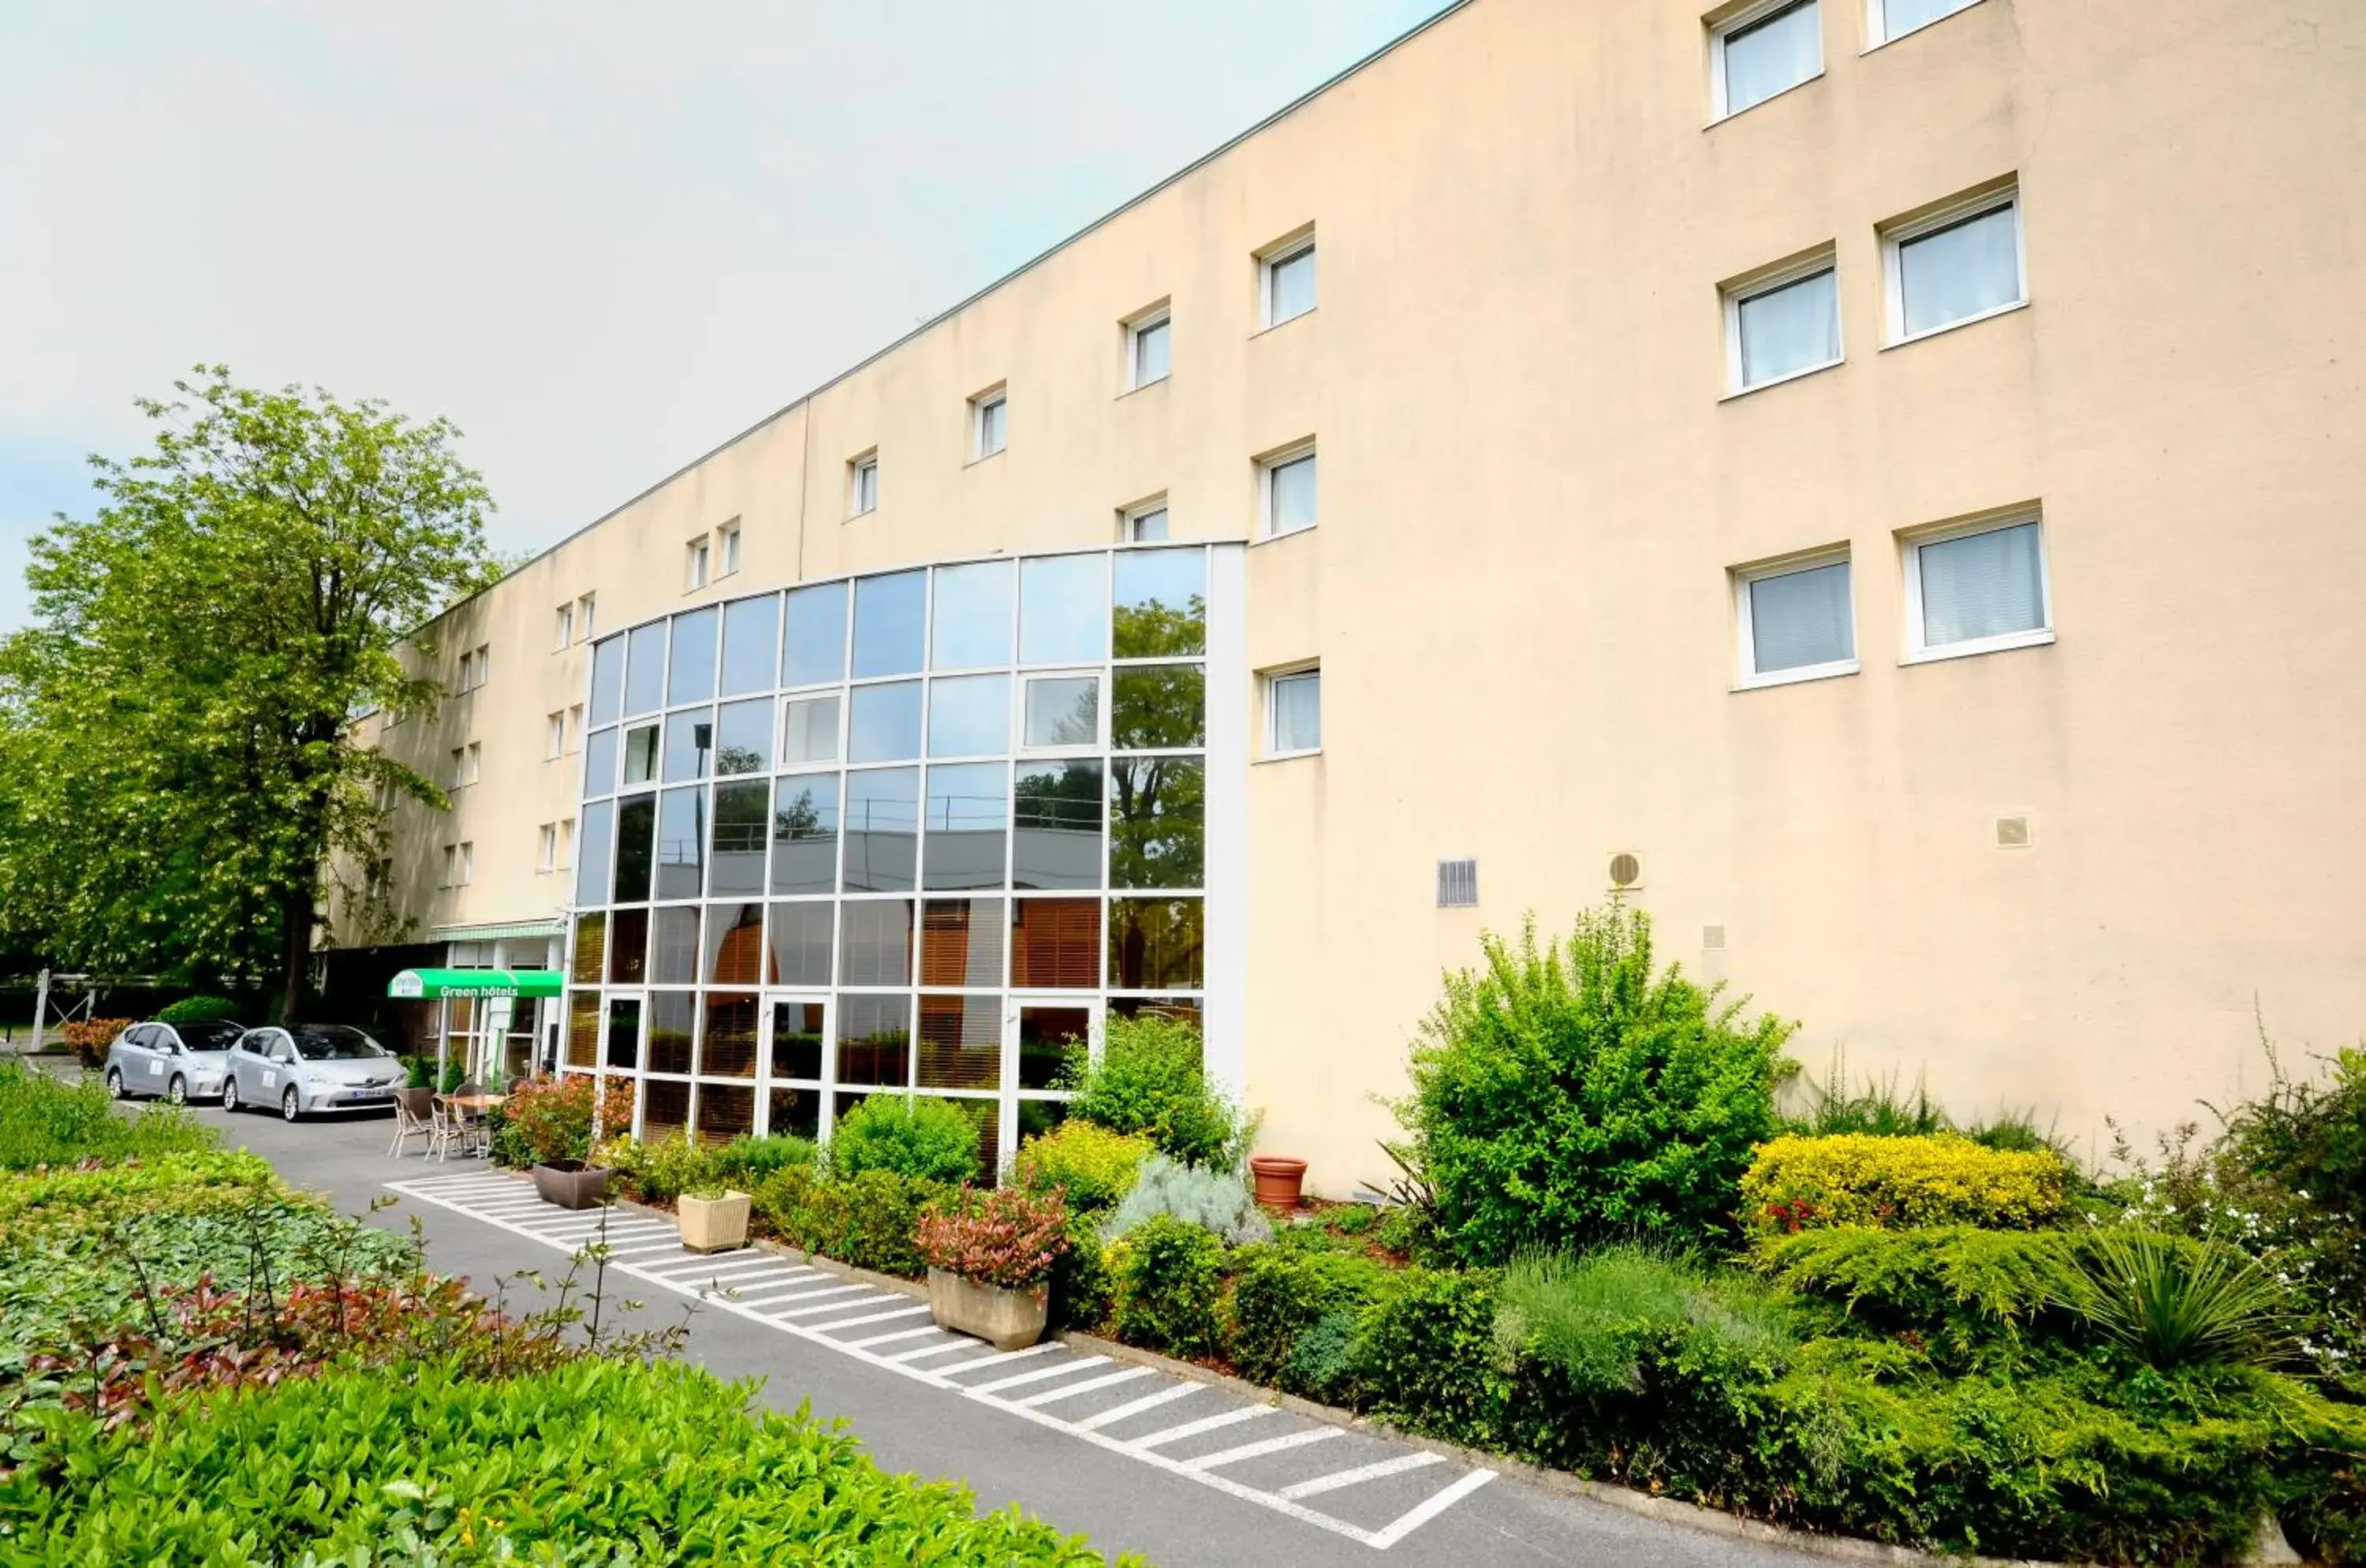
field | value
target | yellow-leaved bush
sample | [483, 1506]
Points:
[1859, 1178]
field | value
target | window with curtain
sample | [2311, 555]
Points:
[1977, 587]
[1791, 327]
[1799, 620]
[1294, 716]
[1961, 269]
[1770, 54]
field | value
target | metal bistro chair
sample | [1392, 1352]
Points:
[412, 1107]
[470, 1129]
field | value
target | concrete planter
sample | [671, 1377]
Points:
[714, 1224]
[1006, 1319]
[570, 1184]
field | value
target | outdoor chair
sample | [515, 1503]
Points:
[412, 1110]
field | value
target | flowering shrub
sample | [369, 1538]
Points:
[1862, 1180]
[550, 1119]
[1086, 1163]
[88, 1038]
[1004, 1237]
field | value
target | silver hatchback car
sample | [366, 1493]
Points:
[179, 1061]
[311, 1066]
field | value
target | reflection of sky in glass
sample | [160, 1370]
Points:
[971, 617]
[750, 643]
[691, 676]
[1161, 603]
[812, 644]
[969, 716]
[885, 722]
[883, 800]
[743, 736]
[1063, 710]
[1064, 609]
[689, 744]
[645, 670]
[607, 680]
[888, 623]
[600, 763]
[967, 797]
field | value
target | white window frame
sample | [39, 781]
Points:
[1766, 280]
[566, 628]
[698, 559]
[1723, 27]
[1267, 467]
[1274, 255]
[863, 484]
[468, 862]
[1156, 316]
[1269, 679]
[574, 730]
[1747, 676]
[586, 608]
[1129, 516]
[1910, 545]
[567, 843]
[727, 550]
[982, 408]
[451, 866]
[1877, 22]
[555, 735]
[1957, 209]
[545, 858]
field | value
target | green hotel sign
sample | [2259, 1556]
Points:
[427, 985]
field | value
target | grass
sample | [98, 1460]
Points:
[1878, 1108]
[1592, 1314]
[45, 1122]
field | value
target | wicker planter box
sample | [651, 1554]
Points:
[571, 1184]
[1006, 1319]
[714, 1224]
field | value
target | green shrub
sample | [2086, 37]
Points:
[660, 1170]
[2170, 1302]
[1168, 1280]
[1969, 1295]
[745, 1161]
[1564, 1095]
[1151, 1081]
[1081, 1287]
[935, 1140]
[43, 1122]
[1279, 1298]
[1425, 1358]
[1863, 1179]
[551, 1119]
[1091, 1167]
[198, 1009]
[595, 1461]
[1599, 1317]
[1217, 1202]
[866, 1221]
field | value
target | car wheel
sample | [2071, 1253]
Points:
[179, 1092]
[290, 1106]
[229, 1093]
[115, 1083]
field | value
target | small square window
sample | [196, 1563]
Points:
[1288, 487]
[1293, 713]
[451, 866]
[1143, 525]
[990, 423]
[1794, 620]
[1976, 587]
[583, 617]
[1954, 265]
[696, 562]
[1888, 19]
[567, 843]
[547, 859]
[727, 548]
[1782, 324]
[575, 727]
[862, 485]
[555, 735]
[1287, 280]
[1147, 349]
[1762, 52]
[566, 630]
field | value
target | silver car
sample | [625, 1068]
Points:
[311, 1066]
[179, 1061]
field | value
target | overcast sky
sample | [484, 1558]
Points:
[601, 238]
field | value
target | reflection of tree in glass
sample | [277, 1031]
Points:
[1158, 707]
[798, 818]
[1154, 629]
[739, 818]
[1069, 798]
[738, 759]
[1081, 725]
[1157, 807]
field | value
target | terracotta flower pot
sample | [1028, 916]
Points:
[714, 1224]
[1279, 1179]
[570, 1184]
[1004, 1318]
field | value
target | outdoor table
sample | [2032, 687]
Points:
[474, 1101]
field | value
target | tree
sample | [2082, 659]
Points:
[177, 774]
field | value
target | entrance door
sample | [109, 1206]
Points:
[1040, 1034]
[793, 1061]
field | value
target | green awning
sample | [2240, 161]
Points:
[416, 984]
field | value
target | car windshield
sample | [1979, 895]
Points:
[333, 1042]
[212, 1035]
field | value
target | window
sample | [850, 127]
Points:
[1146, 342]
[990, 423]
[555, 743]
[1287, 486]
[727, 548]
[1143, 525]
[468, 764]
[476, 664]
[1762, 51]
[459, 864]
[451, 866]
[1782, 323]
[694, 564]
[566, 633]
[862, 485]
[1895, 18]
[575, 727]
[1293, 713]
[1956, 264]
[583, 617]
[567, 842]
[1795, 619]
[547, 860]
[1976, 587]
[1286, 280]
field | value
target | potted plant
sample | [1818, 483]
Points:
[551, 1120]
[1278, 1181]
[989, 1259]
[570, 1183]
[714, 1220]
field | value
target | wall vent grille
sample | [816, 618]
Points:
[1458, 883]
[2013, 833]
[1712, 938]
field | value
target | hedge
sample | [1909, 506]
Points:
[1860, 1179]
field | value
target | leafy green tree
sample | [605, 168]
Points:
[177, 771]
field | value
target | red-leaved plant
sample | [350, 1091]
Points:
[1004, 1237]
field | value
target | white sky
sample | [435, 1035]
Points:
[601, 238]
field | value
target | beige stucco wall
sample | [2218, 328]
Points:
[1532, 492]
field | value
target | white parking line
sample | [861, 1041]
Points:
[1037, 1400]
[1270, 1446]
[1007, 1357]
[891, 1338]
[1429, 1508]
[1041, 1374]
[870, 1317]
[1417, 1460]
[1147, 1401]
[924, 1353]
[798, 1308]
[1205, 1423]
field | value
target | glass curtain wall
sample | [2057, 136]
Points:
[919, 831]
